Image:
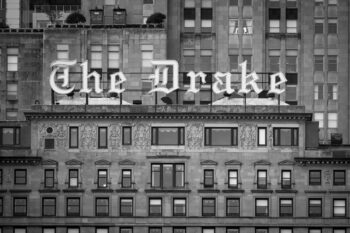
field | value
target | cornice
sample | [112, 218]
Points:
[20, 161]
[309, 161]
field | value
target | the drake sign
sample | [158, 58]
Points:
[160, 79]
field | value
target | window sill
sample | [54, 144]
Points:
[102, 190]
[261, 191]
[165, 147]
[315, 191]
[286, 191]
[73, 190]
[233, 191]
[208, 190]
[20, 190]
[167, 190]
[49, 190]
[126, 190]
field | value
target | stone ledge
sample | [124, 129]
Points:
[73, 190]
[208, 190]
[315, 191]
[102, 190]
[339, 191]
[286, 191]
[261, 191]
[167, 190]
[20, 190]
[126, 190]
[233, 191]
[3, 190]
[49, 190]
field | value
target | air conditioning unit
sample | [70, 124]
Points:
[336, 139]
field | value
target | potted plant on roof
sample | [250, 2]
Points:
[75, 18]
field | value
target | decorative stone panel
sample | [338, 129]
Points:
[115, 136]
[88, 136]
[142, 138]
[59, 133]
[194, 135]
[247, 136]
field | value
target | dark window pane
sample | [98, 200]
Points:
[232, 207]
[274, 13]
[190, 13]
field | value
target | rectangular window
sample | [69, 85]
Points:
[291, 61]
[208, 207]
[62, 51]
[73, 137]
[339, 230]
[147, 55]
[247, 26]
[233, 178]
[73, 178]
[168, 175]
[113, 57]
[233, 3]
[318, 63]
[102, 206]
[286, 179]
[315, 207]
[274, 59]
[126, 206]
[11, 114]
[189, 17]
[339, 177]
[155, 230]
[19, 206]
[315, 230]
[155, 207]
[10, 136]
[339, 207]
[12, 91]
[1, 177]
[73, 230]
[318, 92]
[261, 207]
[248, 59]
[332, 63]
[102, 137]
[232, 207]
[292, 20]
[208, 178]
[234, 63]
[181, 230]
[49, 206]
[332, 26]
[286, 230]
[221, 137]
[315, 177]
[262, 230]
[285, 136]
[48, 230]
[262, 179]
[233, 27]
[126, 135]
[126, 178]
[1, 207]
[332, 120]
[208, 230]
[125, 230]
[73, 206]
[168, 136]
[319, 26]
[319, 116]
[274, 20]
[102, 230]
[262, 136]
[179, 208]
[102, 178]
[332, 91]
[206, 17]
[19, 230]
[12, 59]
[286, 207]
[20, 176]
[96, 57]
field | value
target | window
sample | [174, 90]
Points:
[168, 136]
[291, 61]
[315, 207]
[286, 179]
[339, 207]
[19, 230]
[332, 26]
[319, 116]
[168, 175]
[96, 57]
[10, 136]
[126, 206]
[73, 230]
[291, 92]
[49, 206]
[102, 137]
[73, 178]
[12, 91]
[233, 178]
[332, 2]
[126, 178]
[339, 230]
[49, 230]
[208, 207]
[206, 14]
[274, 58]
[286, 207]
[181, 230]
[318, 92]
[125, 230]
[147, 55]
[155, 207]
[315, 177]
[315, 230]
[339, 177]
[233, 27]
[73, 137]
[247, 26]
[208, 230]
[261, 207]
[102, 206]
[12, 59]
[262, 136]
[232, 207]
[286, 230]
[285, 136]
[332, 91]
[179, 208]
[1, 207]
[155, 230]
[262, 179]
[274, 20]
[11, 114]
[73, 206]
[126, 135]
[232, 230]
[20, 176]
[102, 230]
[189, 17]
[62, 51]
[332, 63]
[233, 62]
[248, 58]
[208, 178]
[318, 63]
[102, 178]
[233, 3]
[319, 26]
[333, 120]
[113, 57]
[19, 206]
[221, 137]
[292, 20]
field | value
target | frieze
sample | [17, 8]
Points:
[142, 136]
[194, 135]
[115, 136]
[88, 136]
[247, 136]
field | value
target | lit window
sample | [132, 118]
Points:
[319, 116]
[62, 52]
[262, 179]
[314, 177]
[261, 207]
[339, 177]
[232, 178]
[168, 175]
[20, 206]
[286, 179]
[315, 207]
[247, 26]
[332, 63]
[147, 55]
[73, 137]
[155, 207]
[73, 178]
[339, 207]
[102, 137]
[73, 206]
[126, 140]
[20, 176]
[113, 57]
[168, 136]
[12, 59]
[96, 57]
[332, 91]
[221, 137]
[10, 136]
[286, 207]
[179, 208]
[318, 92]
[126, 206]
[262, 136]
[233, 26]
[208, 178]
[49, 206]
[208, 207]
[333, 120]
[285, 136]
[102, 178]
[232, 207]
[102, 206]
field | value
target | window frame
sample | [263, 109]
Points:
[211, 184]
[124, 142]
[72, 214]
[208, 136]
[283, 179]
[123, 178]
[16, 177]
[161, 207]
[179, 214]
[16, 136]
[155, 136]
[126, 214]
[43, 206]
[15, 213]
[203, 206]
[258, 184]
[265, 129]
[312, 183]
[345, 208]
[70, 137]
[232, 178]
[309, 207]
[228, 206]
[98, 213]
[70, 177]
[334, 178]
[291, 206]
[267, 207]
[101, 177]
[100, 146]
[1, 206]
[294, 133]
[46, 178]
[161, 176]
